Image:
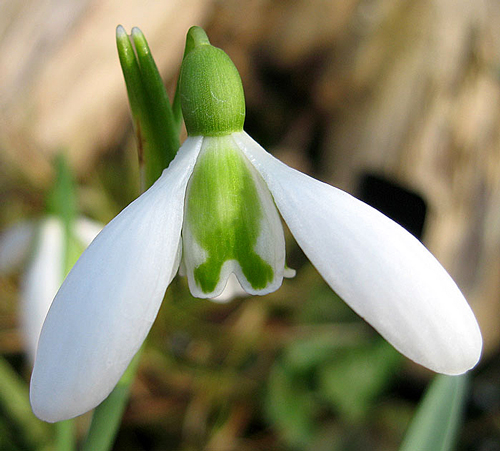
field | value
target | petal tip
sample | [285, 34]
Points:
[462, 355]
[43, 410]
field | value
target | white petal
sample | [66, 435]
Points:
[15, 244]
[384, 273]
[232, 290]
[108, 302]
[42, 279]
[289, 273]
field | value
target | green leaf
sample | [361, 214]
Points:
[62, 202]
[355, 377]
[166, 129]
[323, 346]
[14, 401]
[290, 406]
[156, 129]
[435, 426]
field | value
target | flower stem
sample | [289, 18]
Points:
[65, 435]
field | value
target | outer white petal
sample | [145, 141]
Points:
[384, 273]
[42, 279]
[15, 244]
[107, 304]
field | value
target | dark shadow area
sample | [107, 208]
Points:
[405, 207]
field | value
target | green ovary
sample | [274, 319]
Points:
[223, 212]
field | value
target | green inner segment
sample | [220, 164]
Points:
[223, 212]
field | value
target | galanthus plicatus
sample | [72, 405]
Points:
[216, 211]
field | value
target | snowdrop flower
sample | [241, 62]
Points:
[215, 208]
[15, 244]
[40, 246]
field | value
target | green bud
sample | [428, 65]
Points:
[212, 99]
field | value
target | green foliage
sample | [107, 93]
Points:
[290, 406]
[62, 202]
[436, 424]
[155, 125]
[17, 414]
[353, 378]
[327, 372]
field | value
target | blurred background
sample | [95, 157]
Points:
[396, 102]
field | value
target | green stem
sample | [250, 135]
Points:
[65, 435]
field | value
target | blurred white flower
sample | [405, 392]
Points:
[15, 242]
[39, 246]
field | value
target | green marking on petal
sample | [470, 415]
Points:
[223, 212]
